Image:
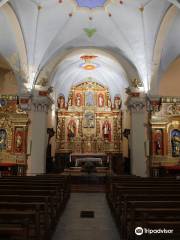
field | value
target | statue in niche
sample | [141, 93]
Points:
[109, 103]
[89, 98]
[158, 142]
[117, 103]
[18, 141]
[61, 102]
[3, 136]
[100, 100]
[71, 130]
[106, 128]
[78, 100]
[175, 142]
[70, 102]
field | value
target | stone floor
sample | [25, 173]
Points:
[72, 227]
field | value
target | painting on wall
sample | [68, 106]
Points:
[3, 139]
[89, 98]
[19, 138]
[175, 142]
[89, 120]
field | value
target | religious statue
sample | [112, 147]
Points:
[117, 103]
[61, 102]
[106, 130]
[71, 130]
[100, 100]
[18, 141]
[2, 139]
[78, 100]
[158, 142]
[136, 83]
[70, 102]
[109, 103]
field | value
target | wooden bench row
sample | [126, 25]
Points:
[147, 203]
[31, 206]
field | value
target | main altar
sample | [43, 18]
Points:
[89, 122]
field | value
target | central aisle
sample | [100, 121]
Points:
[72, 227]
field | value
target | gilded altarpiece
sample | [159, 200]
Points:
[89, 122]
[13, 132]
[165, 132]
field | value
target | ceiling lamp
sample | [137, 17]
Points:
[88, 62]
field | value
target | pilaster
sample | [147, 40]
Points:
[137, 107]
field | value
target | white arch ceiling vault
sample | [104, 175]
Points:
[40, 38]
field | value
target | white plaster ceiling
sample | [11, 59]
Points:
[50, 28]
[107, 72]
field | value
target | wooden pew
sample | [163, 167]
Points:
[48, 194]
[123, 190]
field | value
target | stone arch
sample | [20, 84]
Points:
[163, 30]
[20, 72]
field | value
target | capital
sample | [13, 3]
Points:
[135, 104]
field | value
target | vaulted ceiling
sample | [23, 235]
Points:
[43, 41]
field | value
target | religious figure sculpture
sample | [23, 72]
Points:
[158, 142]
[106, 130]
[18, 141]
[117, 103]
[2, 139]
[61, 102]
[100, 100]
[109, 102]
[70, 102]
[78, 100]
[71, 130]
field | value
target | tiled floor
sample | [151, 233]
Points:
[72, 227]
